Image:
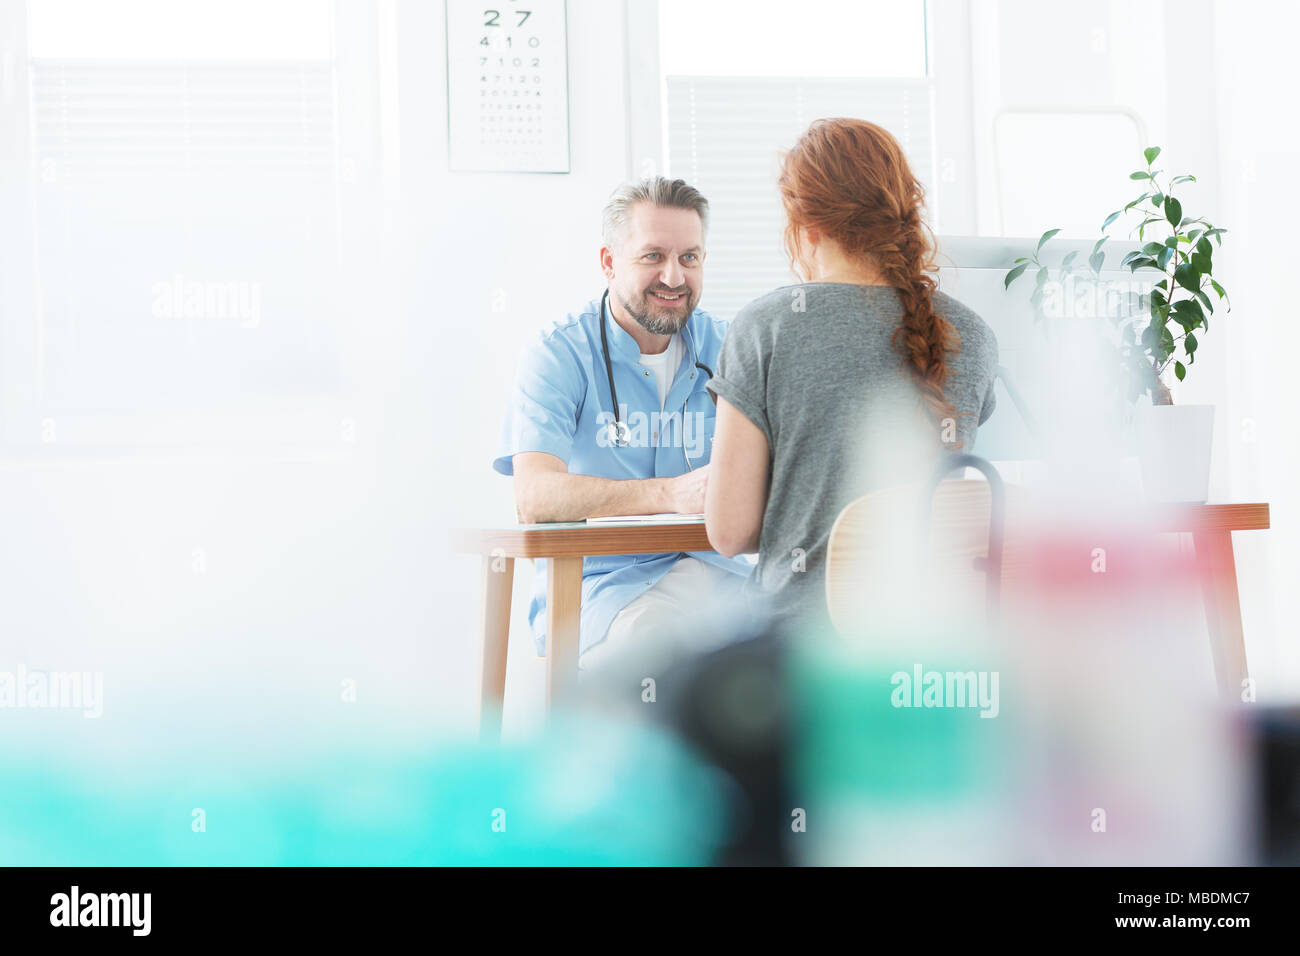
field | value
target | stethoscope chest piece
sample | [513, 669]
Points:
[620, 436]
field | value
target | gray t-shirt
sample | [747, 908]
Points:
[814, 367]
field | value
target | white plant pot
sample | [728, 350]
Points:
[1173, 445]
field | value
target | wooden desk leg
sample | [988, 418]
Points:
[1218, 573]
[563, 609]
[498, 587]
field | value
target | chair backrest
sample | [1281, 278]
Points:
[876, 560]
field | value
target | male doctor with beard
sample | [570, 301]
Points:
[609, 416]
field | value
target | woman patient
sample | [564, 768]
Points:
[856, 379]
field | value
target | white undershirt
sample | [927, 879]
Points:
[664, 366]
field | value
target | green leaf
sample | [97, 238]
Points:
[1204, 299]
[1163, 257]
[1014, 274]
[1140, 174]
[1188, 314]
[1146, 222]
[1188, 276]
[1141, 262]
[1173, 211]
[1204, 248]
[1182, 179]
[1157, 199]
[1021, 259]
[1097, 246]
[1041, 279]
[1096, 260]
[1047, 235]
[1201, 263]
[1179, 371]
[1150, 153]
[1190, 343]
[1152, 248]
[1223, 293]
[1068, 260]
[1159, 312]
[1113, 216]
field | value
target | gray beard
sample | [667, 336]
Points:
[657, 325]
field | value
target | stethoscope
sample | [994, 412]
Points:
[618, 429]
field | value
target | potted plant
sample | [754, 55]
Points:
[1174, 442]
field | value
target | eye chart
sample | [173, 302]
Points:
[508, 86]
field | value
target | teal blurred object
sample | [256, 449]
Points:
[888, 784]
[614, 795]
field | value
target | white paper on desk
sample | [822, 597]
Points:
[666, 518]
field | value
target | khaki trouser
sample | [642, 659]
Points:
[671, 619]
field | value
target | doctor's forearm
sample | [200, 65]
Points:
[564, 497]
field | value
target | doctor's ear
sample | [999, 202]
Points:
[607, 261]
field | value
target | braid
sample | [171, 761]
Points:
[924, 338]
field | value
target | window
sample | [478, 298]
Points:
[739, 83]
[186, 172]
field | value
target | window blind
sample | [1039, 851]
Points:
[106, 120]
[187, 227]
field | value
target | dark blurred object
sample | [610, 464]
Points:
[1276, 736]
[732, 706]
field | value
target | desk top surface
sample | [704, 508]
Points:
[578, 538]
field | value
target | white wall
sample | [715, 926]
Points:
[1203, 78]
[530, 241]
[1258, 153]
[226, 594]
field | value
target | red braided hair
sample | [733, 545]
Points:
[849, 179]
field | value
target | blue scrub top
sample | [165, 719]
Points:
[561, 405]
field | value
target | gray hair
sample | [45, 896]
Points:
[670, 193]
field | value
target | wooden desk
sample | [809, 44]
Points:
[564, 545]
[1211, 527]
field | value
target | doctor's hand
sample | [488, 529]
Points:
[686, 492]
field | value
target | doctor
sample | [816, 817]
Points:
[610, 416]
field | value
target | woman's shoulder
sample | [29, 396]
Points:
[760, 319]
[772, 304]
[967, 321]
[795, 301]
[960, 314]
